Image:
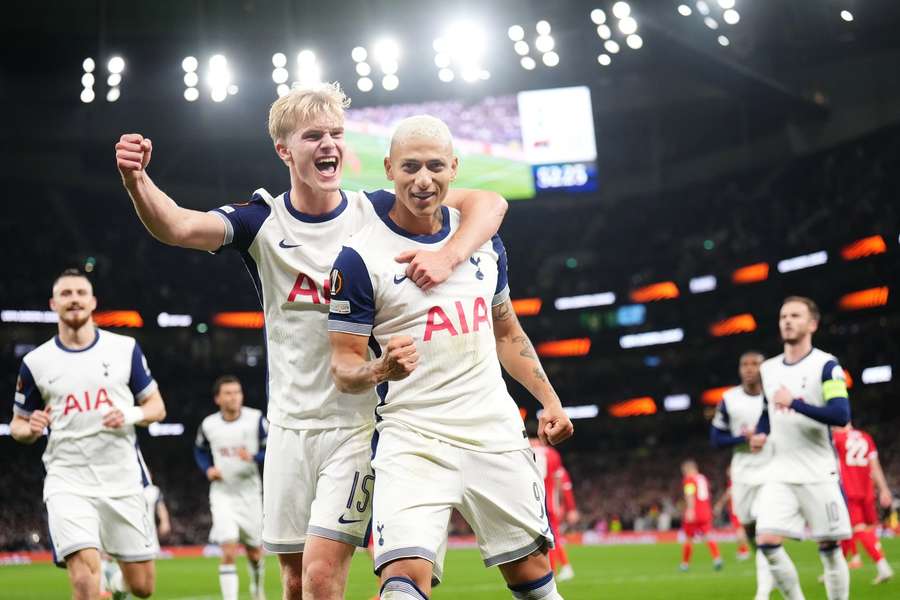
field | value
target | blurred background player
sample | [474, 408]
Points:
[697, 520]
[806, 393]
[732, 427]
[560, 499]
[82, 385]
[860, 467]
[319, 438]
[230, 446]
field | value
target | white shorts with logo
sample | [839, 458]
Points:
[743, 501]
[236, 518]
[316, 482]
[419, 480]
[122, 527]
[784, 508]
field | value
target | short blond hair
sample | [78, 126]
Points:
[302, 104]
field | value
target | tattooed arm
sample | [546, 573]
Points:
[518, 357]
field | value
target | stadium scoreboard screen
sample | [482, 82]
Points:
[517, 145]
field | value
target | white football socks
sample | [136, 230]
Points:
[228, 582]
[764, 581]
[837, 574]
[783, 572]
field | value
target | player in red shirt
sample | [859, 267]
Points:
[560, 500]
[697, 520]
[858, 458]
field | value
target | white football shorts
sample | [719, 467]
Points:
[784, 508]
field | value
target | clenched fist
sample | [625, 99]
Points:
[132, 156]
[400, 359]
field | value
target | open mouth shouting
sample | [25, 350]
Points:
[327, 165]
[422, 197]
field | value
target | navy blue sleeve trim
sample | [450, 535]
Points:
[502, 274]
[263, 432]
[27, 398]
[721, 438]
[243, 221]
[352, 308]
[763, 425]
[202, 454]
[835, 412]
[140, 378]
[828, 369]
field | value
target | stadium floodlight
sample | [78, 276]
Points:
[283, 90]
[621, 10]
[612, 46]
[847, 15]
[651, 338]
[705, 283]
[219, 94]
[551, 59]
[731, 16]
[528, 63]
[598, 16]
[634, 41]
[726, 4]
[521, 47]
[516, 33]
[702, 7]
[218, 77]
[191, 94]
[363, 69]
[365, 84]
[113, 94]
[359, 54]
[386, 51]
[306, 57]
[189, 64]
[711, 23]
[879, 374]
[87, 80]
[114, 80]
[628, 25]
[390, 82]
[87, 95]
[279, 60]
[116, 64]
[279, 75]
[544, 43]
[542, 27]
[604, 59]
[676, 402]
[464, 43]
[446, 75]
[684, 10]
[390, 67]
[88, 65]
[233, 89]
[723, 40]
[604, 31]
[471, 74]
[191, 79]
[584, 301]
[803, 262]
[442, 60]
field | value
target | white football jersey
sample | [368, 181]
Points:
[737, 412]
[456, 393]
[223, 440]
[801, 447]
[80, 386]
[289, 255]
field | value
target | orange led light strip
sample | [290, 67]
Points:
[239, 320]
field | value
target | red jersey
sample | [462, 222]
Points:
[698, 487]
[557, 484]
[855, 450]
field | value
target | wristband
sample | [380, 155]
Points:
[133, 414]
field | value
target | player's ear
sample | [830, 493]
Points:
[388, 170]
[93, 303]
[454, 168]
[283, 152]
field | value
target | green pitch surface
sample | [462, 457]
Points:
[615, 572]
[510, 178]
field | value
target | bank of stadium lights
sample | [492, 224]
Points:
[385, 55]
[87, 80]
[115, 67]
[723, 9]
[459, 52]
[191, 80]
[847, 15]
[218, 78]
[625, 29]
[280, 74]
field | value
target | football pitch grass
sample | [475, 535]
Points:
[510, 178]
[601, 572]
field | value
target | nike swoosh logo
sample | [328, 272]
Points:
[399, 278]
[344, 521]
[282, 244]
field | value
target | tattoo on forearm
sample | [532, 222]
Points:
[539, 374]
[527, 349]
[503, 312]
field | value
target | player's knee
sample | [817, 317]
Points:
[319, 579]
[417, 571]
[84, 584]
[828, 547]
[142, 589]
